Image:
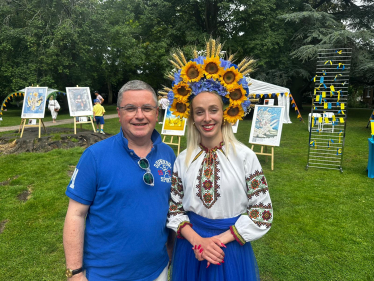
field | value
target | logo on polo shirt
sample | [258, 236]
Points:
[164, 170]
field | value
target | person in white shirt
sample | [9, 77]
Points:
[99, 97]
[220, 198]
[163, 104]
[53, 107]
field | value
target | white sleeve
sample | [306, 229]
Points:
[258, 218]
[177, 217]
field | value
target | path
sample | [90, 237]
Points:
[50, 123]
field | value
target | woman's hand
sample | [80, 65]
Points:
[209, 249]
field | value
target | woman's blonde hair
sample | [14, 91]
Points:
[194, 137]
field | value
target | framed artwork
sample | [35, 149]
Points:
[235, 127]
[268, 102]
[266, 125]
[79, 100]
[173, 126]
[34, 102]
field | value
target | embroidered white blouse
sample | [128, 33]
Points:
[216, 186]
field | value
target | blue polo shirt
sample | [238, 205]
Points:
[126, 230]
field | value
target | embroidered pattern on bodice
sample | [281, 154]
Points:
[208, 177]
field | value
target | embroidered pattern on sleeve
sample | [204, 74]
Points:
[261, 215]
[207, 186]
[256, 184]
[180, 226]
[175, 202]
[236, 235]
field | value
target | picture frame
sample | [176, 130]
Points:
[173, 125]
[79, 101]
[267, 125]
[235, 127]
[34, 102]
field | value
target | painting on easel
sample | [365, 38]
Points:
[34, 102]
[173, 125]
[267, 125]
[79, 100]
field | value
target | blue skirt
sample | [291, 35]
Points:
[240, 262]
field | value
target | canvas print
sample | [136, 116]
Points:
[79, 100]
[235, 127]
[34, 102]
[173, 126]
[267, 125]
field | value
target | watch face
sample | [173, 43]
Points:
[68, 273]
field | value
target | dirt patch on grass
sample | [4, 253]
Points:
[25, 195]
[9, 180]
[2, 225]
[54, 138]
[71, 171]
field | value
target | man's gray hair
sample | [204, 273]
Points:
[135, 85]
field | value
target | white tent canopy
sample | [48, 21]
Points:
[262, 88]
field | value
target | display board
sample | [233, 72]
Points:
[34, 102]
[267, 125]
[79, 100]
[173, 125]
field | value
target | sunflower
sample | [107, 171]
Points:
[180, 109]
[230, 76]
[236, 95]
[232, 114]
[181, 91]
[212, 67]
[191, 72]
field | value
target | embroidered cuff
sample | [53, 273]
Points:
[236, 235]
[180, 226]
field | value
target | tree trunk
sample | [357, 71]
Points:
[110, 93]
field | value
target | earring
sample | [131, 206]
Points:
[224, 122]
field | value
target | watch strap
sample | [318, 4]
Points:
[70, 272]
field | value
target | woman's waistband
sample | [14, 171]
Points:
[199, 221]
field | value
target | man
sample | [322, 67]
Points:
[99, 97]
[115, 226]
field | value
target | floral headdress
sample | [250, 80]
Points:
[209, 73]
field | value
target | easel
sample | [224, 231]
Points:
[266, 153]
[23, 125]
[82, 122]
[178, 143]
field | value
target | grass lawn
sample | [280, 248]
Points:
[323, 225]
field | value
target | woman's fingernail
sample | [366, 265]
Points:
[201, 250]
[223, 245]
[218, 263]
[223, 261]
[208, 265]
[199, 247]
[195, 247]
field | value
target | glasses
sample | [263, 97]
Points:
[132, 109]
[147, 177]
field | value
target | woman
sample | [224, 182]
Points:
[53, 107]
[219, 197]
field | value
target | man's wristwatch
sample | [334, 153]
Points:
[70, 272]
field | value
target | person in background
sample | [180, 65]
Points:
[53, 107]
[99, 97]
[163, 104]
[98, 115]
[115, 226]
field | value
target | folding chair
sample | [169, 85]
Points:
[327, 120]
[316, 117]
